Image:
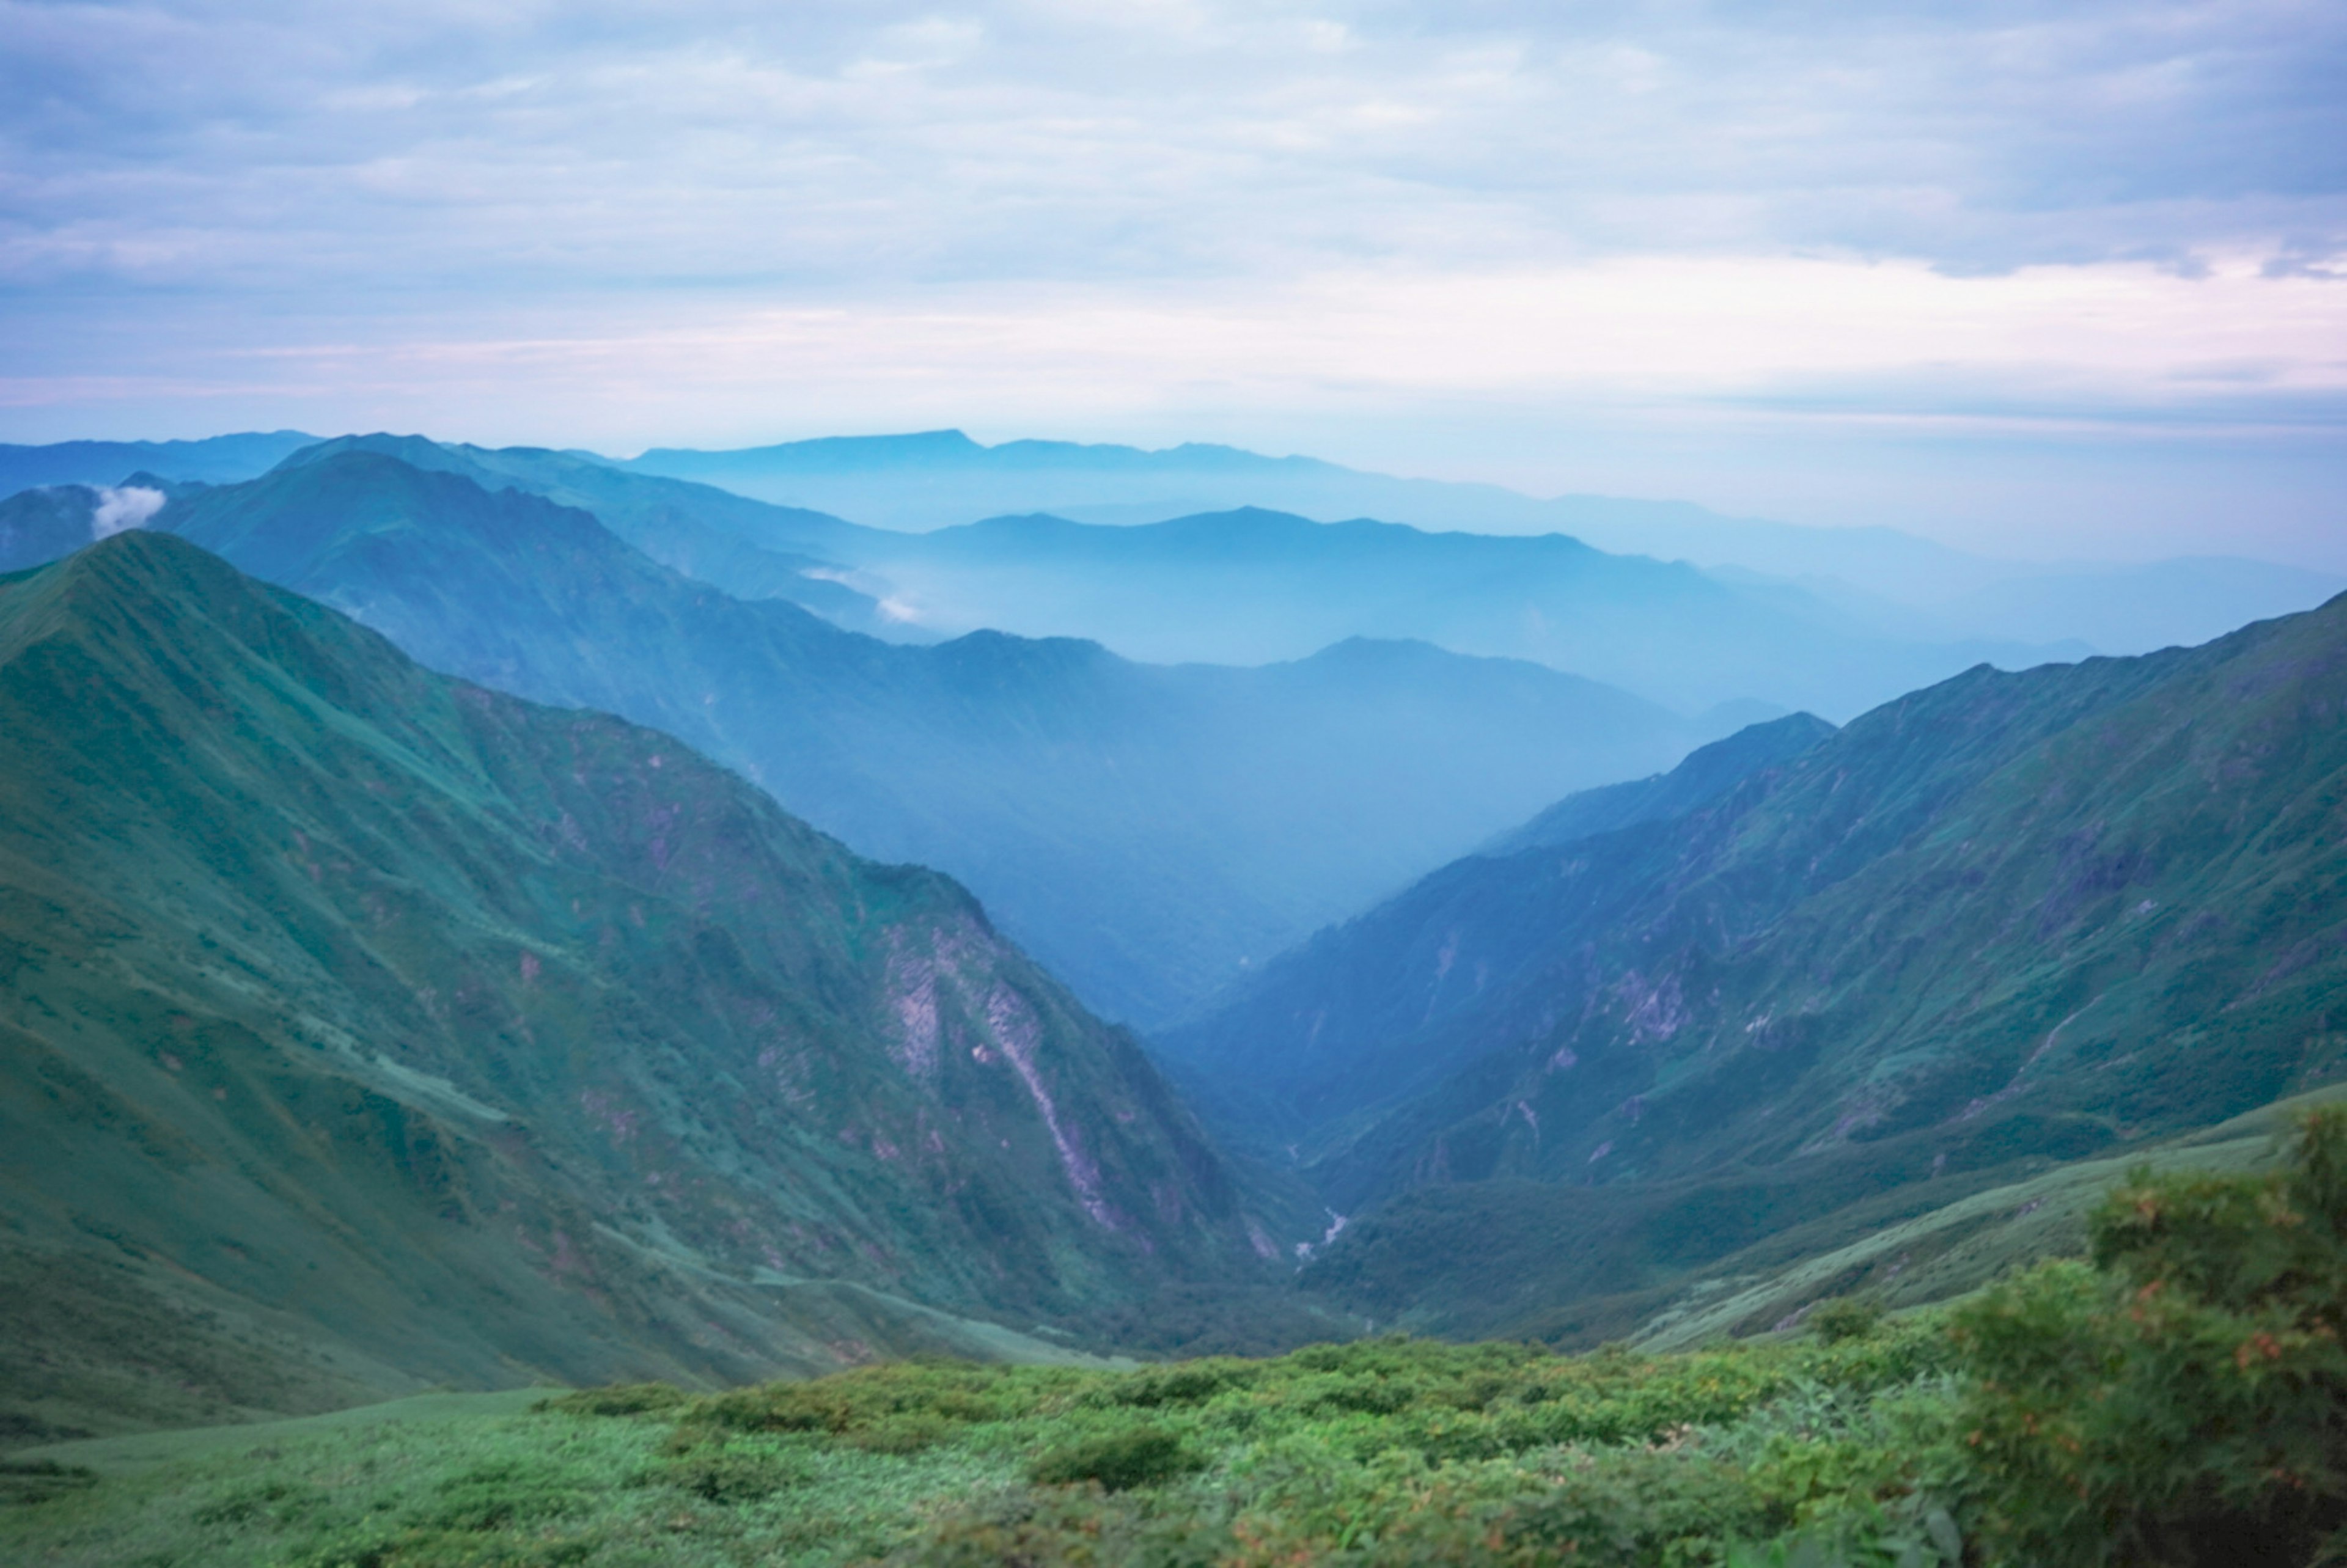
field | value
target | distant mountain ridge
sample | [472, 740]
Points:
[1245, 587]
[2012, 917]
[1251, 585]
[1897, 583]
[215, 460]
[1889, 583]
[471, 1041]
[749, 549]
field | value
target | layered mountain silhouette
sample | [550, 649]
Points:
[1247, 586]
[1897, 586]
[1144, 830]
[1251, 586]
[2011, 917]
[217, 459]
[695, 511]
[389, 1032]
[748, 547]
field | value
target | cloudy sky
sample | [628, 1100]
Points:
[2046, 279]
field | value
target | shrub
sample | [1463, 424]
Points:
[1844, 1318]
[619, 1399]
[2186, 1403]
[1119, 1462]
[37, 1481]
[733, 1475]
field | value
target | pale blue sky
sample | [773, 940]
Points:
[2031, 278]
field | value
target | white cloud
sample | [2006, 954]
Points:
[721, 219]
[503, 146]
[120, 509]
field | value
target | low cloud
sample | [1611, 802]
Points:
[129, 506]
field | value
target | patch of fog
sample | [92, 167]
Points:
[1306, 1250]
[131, 506]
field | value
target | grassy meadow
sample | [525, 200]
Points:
[1384, 1451]
[2181, 1398]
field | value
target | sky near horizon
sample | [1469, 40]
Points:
[2036, 280]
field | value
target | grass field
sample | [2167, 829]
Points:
[2033, 1423]
[1381, 1450]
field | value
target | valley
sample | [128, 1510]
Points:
[484, 918]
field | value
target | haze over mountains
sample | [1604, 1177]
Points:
[1251, 587]
[1145, 830]
[1886, 583]
[1893, 580]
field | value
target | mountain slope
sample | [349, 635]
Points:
[480, 1040]
[1706, 774]
[749, 549]
[1143, 830]
[2010, 917]
[1366, 1013]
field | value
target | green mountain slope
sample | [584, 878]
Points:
[1143, 830]
[1706, 774]
[2009, 919]
[1339, 1031]
[362, 1027]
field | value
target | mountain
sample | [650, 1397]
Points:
[419, 1034]
[1705, 774]
[2010, 918]
[215, 460]
[1343, 1027]
[749, 549]
[1909, 587]
[1247, 586]
[37, 527]
[1146, 831]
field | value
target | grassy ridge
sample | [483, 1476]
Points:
[362, 1032]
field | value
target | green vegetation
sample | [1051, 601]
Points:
[2181, 1401]
[2012, 921]
[2185, 1400]
[362, 1032]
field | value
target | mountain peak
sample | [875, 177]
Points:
[523, 1037]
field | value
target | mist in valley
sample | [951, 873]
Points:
[1174, 784]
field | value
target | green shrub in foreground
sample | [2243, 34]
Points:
[2185, 1400]
[1119, 1462]
[2179, 1400]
